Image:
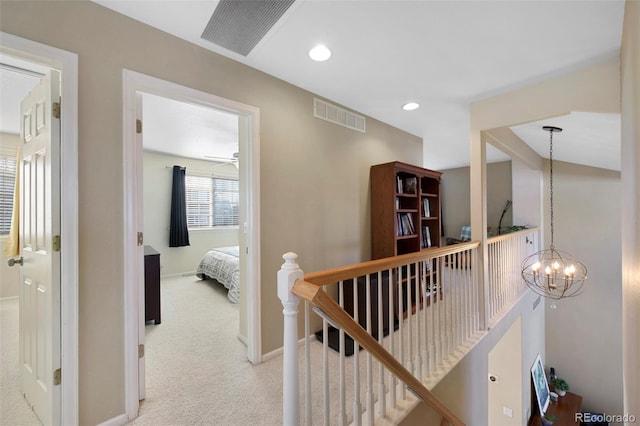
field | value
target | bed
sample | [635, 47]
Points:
[222, 265]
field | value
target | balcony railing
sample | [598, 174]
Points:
[379, 335]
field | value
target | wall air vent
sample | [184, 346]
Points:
[337, 115]
[240, 25]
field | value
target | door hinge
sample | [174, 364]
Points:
[140, 238]
[140, 351]
[55, 109]
[56, 243]
[57, 377]
[138, 126]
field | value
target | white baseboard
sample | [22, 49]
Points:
[179, 274]
[8, 298]
[115, 421]
[243, 339]
[278, 352]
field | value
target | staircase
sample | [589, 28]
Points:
[407, 322]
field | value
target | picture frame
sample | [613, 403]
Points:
[539, 379]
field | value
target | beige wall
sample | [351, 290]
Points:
[157, 212]
[630, 82]
[465, 389]
[455, 198]
[9, 277]
[578, 214]
[314, 175]
[589, 229]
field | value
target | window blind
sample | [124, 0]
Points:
[7, 183]
[211, 201]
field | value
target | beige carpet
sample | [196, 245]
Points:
[197, 369]
[14, 409]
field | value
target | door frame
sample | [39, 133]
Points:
[249, 117]
[67, 63]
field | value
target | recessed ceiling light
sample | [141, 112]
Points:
[320, 53]
[410, 106]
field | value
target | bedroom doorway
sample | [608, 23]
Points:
[136, 88]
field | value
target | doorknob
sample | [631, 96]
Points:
[14, 261]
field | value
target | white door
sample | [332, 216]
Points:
[505, 379]
[40, 273]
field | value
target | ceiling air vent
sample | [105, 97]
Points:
[337, 115]
[240, 25]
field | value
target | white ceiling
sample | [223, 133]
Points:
[442, 54]
[188, 130]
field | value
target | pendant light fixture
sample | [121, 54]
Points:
[552, 273]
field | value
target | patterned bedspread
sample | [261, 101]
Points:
[222, 264]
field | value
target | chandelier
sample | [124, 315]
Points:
[552, 273]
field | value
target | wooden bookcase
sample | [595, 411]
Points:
[405, 209]
[405, 218]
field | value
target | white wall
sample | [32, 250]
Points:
[584, 333]
[465, 389]
[526, 189]
[455, 198]
[157, 208]
[9, 277]
[630, 88]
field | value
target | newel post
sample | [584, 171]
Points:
[287, 275]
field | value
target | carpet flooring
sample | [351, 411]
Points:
[14, 409]
[197, 369]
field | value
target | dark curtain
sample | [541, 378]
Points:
[178, 231]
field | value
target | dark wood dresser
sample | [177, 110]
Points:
[151, 284]
[565, 409]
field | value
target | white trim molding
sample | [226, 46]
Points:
[67, 63]
[249, 120]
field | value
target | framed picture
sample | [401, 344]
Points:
[540, 384]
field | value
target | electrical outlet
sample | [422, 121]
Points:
[507, 411]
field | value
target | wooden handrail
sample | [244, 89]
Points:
[331, 276]
[313, 293]
[503, 237]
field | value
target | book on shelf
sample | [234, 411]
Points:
[426, 208]
[426, 237]
[405, 224]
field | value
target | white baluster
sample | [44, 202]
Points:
[325, 371]
[381, 388]
[307, 363]
[417, 363]
[287, 275]
[343, 391]
[368, 357]
[357, 404]
[392, 333]
[403, 392]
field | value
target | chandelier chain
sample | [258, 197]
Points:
[551, 182]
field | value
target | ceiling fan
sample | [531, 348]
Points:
[235, 158]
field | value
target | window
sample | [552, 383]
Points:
[211, 202]
[7, 183]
